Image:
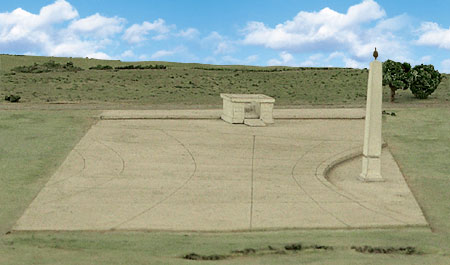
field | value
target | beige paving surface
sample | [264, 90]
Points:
[342, 113]
[207, 175]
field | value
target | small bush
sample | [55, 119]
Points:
[425, 81]
[297, 246]
[140, 67]
[101, 67]
[50, 66]
[12, 98]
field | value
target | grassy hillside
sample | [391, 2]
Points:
[189, 84]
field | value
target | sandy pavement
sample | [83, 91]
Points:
[208, 175]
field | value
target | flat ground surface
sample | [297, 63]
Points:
[209, 175]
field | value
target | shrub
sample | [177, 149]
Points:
[425, 80]
[140, 67]
[12, 98]
[101, 67]
[50, 66]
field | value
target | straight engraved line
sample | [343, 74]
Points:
[251, 191]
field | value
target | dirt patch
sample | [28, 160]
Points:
[386, 250]
[194, 256]
[269, 250]
[297, 246]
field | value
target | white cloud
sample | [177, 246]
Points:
[143, 57]
[162, 53]
[167, 53]
[210, 60]
[252, 58]
[352, 63]
[20, 25]
[316, 57]
[99, 55]
[285, 59]
[446, 66]
[74, 48]
[223, 47]
[331, 31]
[425, 59]
[393, 24]
[138, 33]
[432, 34]
[97, 25]
[335, 55]
[213, 36]
[189, 33]
[227, 59]
[46, 33]
[58, 12]
[273, 62]
[231, 60]
[128, 54]
[309, 30]
[313, 60]
[220, 44]
[160, 37]
[322, 60]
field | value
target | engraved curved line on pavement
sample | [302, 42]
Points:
[65, 197]
[117, 153]
[49, 184]
[330, 186]
[304, 190]
[170, 194]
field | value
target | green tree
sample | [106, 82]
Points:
[397, 76]
[425, 80]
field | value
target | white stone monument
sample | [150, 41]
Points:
[371, 164]
[251, 109]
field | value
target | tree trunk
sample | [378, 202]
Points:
[392, 93]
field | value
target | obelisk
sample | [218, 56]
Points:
[371, 163]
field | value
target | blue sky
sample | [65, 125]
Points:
[263, 32]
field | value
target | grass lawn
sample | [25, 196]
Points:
[34, 143]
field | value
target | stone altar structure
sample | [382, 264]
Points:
[251, 109]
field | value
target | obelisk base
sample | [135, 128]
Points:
[371, 169]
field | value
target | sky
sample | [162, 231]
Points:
[309, 33]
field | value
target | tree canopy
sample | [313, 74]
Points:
[397, 76]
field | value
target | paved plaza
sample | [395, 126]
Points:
[203, 174]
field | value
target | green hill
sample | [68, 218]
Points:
[186, 83]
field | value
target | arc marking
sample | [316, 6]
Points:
[329, 186]
[73, 175]
[170, 194]
[304, 190]
[98, 185]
